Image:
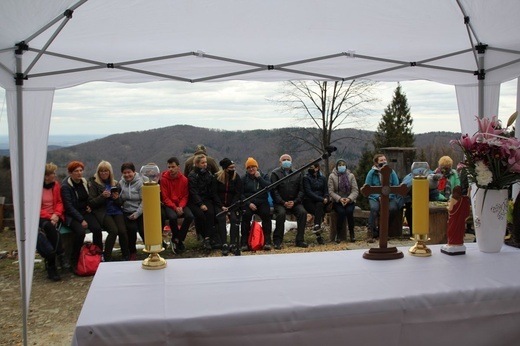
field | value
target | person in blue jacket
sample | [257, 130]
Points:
[374, 179]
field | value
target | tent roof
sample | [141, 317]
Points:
[263, 40]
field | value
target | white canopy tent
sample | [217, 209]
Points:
[47, 45]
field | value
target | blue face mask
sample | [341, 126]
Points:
[342, 169]
[286, 164]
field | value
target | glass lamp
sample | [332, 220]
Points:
[150, 175]
[420, 209]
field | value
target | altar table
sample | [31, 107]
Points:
[325, 298]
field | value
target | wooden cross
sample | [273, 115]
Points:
[384, 252]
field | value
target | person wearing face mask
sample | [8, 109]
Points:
[448, 178]
[316, 197]
[373, 178]
[343, 190]
[202, 199]
[229, 190]
[287, 197]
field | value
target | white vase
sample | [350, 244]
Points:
[489, 209]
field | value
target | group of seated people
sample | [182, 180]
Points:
[204, 194]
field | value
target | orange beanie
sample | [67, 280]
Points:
[251, 162]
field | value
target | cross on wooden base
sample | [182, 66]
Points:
[384, 252]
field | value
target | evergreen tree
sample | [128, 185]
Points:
[395, 127]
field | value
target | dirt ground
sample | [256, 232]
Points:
[55, 306]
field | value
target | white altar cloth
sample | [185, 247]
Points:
[325, 298]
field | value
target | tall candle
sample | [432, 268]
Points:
[152, 217]
[420, 206]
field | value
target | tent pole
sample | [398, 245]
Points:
[20, 203]
[481, 89]
[481, 75]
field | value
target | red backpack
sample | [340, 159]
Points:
[89, 259]
[256, 236]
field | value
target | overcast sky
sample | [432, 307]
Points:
[109, 108]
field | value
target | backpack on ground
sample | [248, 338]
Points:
[89, 259]
[256, 236]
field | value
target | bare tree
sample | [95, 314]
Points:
[327, 106]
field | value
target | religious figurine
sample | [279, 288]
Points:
[458, 211]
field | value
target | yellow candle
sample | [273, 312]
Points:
[420, 206]
[152, 217]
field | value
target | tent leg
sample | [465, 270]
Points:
[20, 203]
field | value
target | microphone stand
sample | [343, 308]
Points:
[240, 203]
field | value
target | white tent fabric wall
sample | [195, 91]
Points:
[37, 104]
[468, 101]
[132, 41]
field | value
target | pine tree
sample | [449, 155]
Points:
[395, 127]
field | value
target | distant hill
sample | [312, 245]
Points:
[265, 146]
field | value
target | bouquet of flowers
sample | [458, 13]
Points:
[492, 155]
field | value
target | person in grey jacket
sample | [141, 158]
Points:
[343, 190]
[132, 198]
[287, 197]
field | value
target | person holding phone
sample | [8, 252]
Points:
[106, 206]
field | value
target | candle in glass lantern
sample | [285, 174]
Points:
[151, 207]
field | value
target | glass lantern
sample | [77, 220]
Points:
[420, 170]
[150, 173]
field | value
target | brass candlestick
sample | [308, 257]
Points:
[420, 249]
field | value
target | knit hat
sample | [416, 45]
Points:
[251, 162]
[340, 160]
[225, 163]
[75, 164]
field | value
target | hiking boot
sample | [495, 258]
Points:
[52, 273]
[225, 250]
[320, 240]
[180, 246]
[244, 248]
[352, 236]
[267, 247]
[206, 244]
[277, 246]
[302, 244]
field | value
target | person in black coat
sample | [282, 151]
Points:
[203, 198]
[252, 182]
[78, 214]
[316, 197]
[288, 197]
[229, 190]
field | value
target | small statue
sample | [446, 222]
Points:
[458, 211]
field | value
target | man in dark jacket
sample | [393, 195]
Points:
[288, 196]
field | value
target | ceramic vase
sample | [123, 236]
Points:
[489, 208]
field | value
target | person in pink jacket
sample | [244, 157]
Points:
[51, 217]
[174, 198]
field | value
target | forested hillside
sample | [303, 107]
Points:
[265, 146]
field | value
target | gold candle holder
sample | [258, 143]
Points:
[420, 249]
[152, 217]
[154, 260]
